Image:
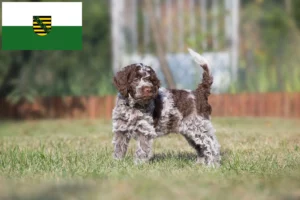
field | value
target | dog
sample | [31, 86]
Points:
[145, 111]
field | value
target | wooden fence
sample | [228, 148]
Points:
[257, 105]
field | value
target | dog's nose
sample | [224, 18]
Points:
[147, 90]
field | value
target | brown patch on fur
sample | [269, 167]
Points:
[202, 93]
[182, 101]
[158, 106]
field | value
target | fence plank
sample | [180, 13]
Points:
[92, 107]
[2, 108]
[297, 107]
[109, 106]
[243, 105]
[214, 101]
[271, 104]
[261, 105]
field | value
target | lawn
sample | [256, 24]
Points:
[71, 159]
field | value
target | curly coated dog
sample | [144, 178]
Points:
[145, 111]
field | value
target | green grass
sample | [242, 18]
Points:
[65, 159]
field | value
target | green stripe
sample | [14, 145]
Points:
[59, 38]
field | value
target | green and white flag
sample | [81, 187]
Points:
[41, 25]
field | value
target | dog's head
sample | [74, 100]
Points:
[137, 81]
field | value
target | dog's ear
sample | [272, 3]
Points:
[123, 78]
[154, 79]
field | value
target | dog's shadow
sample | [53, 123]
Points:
[182, 156]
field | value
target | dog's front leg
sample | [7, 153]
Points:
[120, 142]
[145, 133]
[144, 148]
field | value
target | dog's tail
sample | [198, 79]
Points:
[203, 89]
[207, 79]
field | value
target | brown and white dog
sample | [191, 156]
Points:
[145, 111]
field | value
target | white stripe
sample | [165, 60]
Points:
[21, 13]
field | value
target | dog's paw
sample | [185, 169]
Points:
[202, 161]
[140, 161]
[117, 157]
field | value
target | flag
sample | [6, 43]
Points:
[41, 25]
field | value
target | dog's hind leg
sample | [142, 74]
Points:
[199, 150]
[207, 149]
[203, 140]
[120, 142]
[206, 155]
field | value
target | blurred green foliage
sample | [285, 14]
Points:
[26, 74]
[296, 12]
[269, 50]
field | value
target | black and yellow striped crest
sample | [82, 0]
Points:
[41, 25]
